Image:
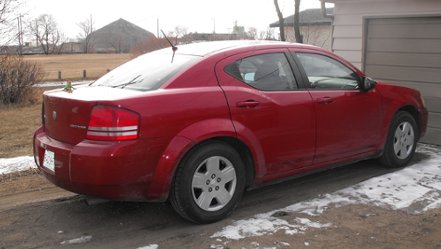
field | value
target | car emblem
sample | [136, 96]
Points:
[54, 115]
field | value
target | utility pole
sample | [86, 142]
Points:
[20, 35]
[157, 27]
[214, 26]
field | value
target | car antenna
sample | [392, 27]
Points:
[174, 48]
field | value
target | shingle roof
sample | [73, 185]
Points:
[309, 16]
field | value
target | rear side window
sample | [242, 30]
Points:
[267, 72]
[147, 72]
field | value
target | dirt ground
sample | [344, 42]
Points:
[359, 226]
[36, 214]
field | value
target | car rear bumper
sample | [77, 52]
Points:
[111, 170]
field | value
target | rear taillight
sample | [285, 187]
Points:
[112, 123]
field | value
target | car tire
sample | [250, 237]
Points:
[209, 183]
[401, 141]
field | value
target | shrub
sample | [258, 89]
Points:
[16, 79]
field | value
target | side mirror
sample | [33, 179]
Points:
[367, 84]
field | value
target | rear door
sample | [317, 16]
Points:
[268, 108]
[348, 120]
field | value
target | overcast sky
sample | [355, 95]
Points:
[196, 15]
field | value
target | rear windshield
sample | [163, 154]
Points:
[147, 72]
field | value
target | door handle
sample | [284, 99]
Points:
[325, 100]
[247, 104]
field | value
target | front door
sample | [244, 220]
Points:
[269, 109]
[348, 120]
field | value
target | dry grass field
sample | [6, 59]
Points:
[72, 66]
[17, 127]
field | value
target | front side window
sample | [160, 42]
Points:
[326, 73]
[267, 72]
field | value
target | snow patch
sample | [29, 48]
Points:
[63, 83]
[16, 164]
[152, 246]
[80, 240]
[265, 224]
[415, 189]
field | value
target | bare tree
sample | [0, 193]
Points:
[281, 22]
[87, 27]
[180, 31]
[268, 34]
[297, 34]
[312, 34]
[7, 26]
[252, 33]
[46, 33]
[6, 7]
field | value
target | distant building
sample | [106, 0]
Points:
[200, 37]
[26, 49]
[71, 48]
[119, 37]
[314, 27]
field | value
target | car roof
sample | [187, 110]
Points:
[214, 47]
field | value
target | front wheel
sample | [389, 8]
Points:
[209, 183]
[401, 141]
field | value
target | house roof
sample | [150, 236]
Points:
[120, 31]
[307, 17]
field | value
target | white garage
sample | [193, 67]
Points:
[397, 41]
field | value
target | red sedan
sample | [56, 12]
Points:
[199, 124]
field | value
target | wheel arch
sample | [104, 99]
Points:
[190, 139]
[409, 108]
[412, 110]
[236, 144]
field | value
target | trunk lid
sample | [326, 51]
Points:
[66, 115]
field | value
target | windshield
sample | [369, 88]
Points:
[147, 72]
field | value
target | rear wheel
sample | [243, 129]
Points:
[209, 183]
[401, 141]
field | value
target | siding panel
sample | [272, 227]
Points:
[404, 59]
[348, 44]
[435, 118]
[347, 19]
[353, 31]
[389, 7]
[429, 75]
[407, 45]
[353, 56]
[433, 136]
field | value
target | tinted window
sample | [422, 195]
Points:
[326, 73]
[268, 72]
[147, 72]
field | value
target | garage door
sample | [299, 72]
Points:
[407, 51]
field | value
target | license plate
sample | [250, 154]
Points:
[49, 160]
